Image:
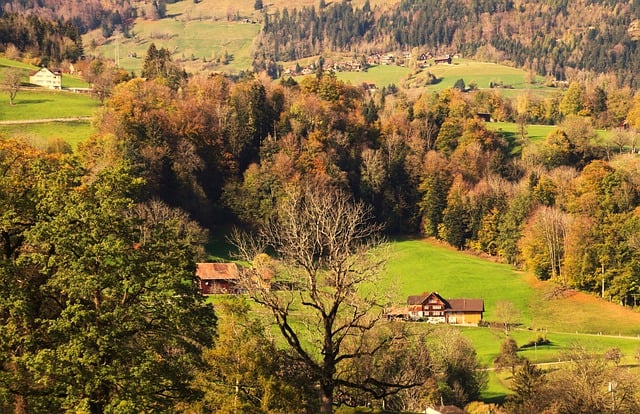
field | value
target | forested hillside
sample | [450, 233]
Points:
[554, 38]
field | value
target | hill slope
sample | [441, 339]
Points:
[416, 266]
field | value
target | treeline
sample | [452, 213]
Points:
[46, 40]
[85, 16]
[549, 37]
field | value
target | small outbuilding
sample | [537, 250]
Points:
[218, 278]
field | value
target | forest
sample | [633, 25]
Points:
[552, 38]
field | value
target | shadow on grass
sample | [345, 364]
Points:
[31, 101]
[493, 398]
[218, 248]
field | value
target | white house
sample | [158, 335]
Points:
[46, 78]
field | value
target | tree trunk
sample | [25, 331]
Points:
[326, 397]
[20, 404]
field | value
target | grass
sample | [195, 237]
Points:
[417, 266]
[222, 8]
[194, 33]
[45, 104]
[535, 133]
[72, 132]
[381, 75]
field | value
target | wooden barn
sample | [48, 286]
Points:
[217, 278]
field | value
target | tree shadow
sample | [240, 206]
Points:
[31, 101]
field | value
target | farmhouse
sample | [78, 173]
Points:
[46, 78]
[433, 308]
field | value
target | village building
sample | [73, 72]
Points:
[433, 308]
[446, 59]
[47, 78]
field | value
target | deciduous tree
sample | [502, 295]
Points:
[330, 255]
[12, 82]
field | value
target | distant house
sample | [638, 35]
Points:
[446, 59]
[216, 278]
[47, 78]
[433, 308]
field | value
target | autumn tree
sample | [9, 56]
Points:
[508, 357]
[543, 243]
[459, 373]
[330, 255]
[159, 65]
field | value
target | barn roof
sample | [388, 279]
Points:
[217, 271]
[469, 305]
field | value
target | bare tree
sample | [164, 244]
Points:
[12, 82]
[328, 307]
[507, 314]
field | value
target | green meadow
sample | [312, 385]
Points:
[38, 134]
[46, 104]
[68, 81]
[417, 266]
[193, 35]
[535, 133]
[576, 319]
[381, 75]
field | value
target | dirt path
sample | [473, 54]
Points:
[45, 120]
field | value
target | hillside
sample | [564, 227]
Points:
[416, 266]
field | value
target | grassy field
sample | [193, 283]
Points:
[195, 34]
[535, 133]
[381, 75]
[417, 266]
[222, 8]
[45, 104]
[39, 134]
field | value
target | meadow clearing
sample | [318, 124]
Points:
[568, 320]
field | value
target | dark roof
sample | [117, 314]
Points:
[469, 305]
[217, 271]
[417, 299]
[420, 299]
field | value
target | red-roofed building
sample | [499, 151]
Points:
[433, 308]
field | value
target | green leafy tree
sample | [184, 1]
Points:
[573, 101]
[246, 372]
[103, 291]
